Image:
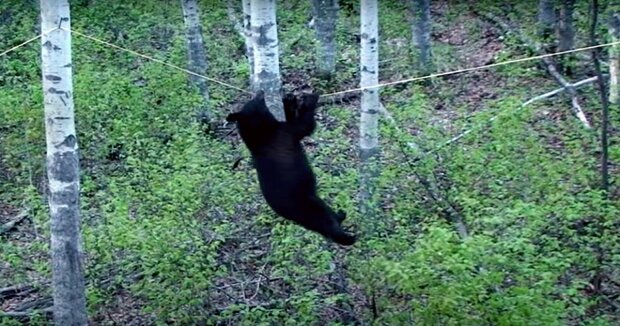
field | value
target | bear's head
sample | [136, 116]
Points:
[255, 109]
[254, 122]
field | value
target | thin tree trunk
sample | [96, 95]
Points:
[247, 30]
[421, 34]
[614, 55]
[614, 90]
[600, 226]
[326, 16]
[546, 23]
[62, 165]
[566, 31]
[369, 132]
[197, 55]
[266, 54]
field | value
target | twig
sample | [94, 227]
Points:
[260, 277]
[611, 302]
[559, 90]
[11, 224]
[34, 304]
[27, 314]
[526, 103]
[14, 290]
[570, 89]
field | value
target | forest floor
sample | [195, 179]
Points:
[468, 39]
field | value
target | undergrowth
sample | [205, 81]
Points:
[173, 235]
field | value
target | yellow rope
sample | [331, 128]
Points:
[26, 42]
[358, 89]
[441, 74]
[157, 60]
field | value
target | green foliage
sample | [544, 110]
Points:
[177, 237]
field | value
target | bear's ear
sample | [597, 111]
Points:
[260, 96]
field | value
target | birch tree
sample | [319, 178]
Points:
[614, 89]
[369, 65]
[421, 34]
[62, 165]
[266, 54]
[326, 16]
[197, 55]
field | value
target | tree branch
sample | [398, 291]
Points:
[27, 314]
[549, 65]
[526, 103]
[6, 227]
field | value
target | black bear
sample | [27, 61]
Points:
[285, 176]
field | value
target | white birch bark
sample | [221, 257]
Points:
[370, 106]
[197, 55]
[62, 165]
[614, 55]
[266, 54]
[326, 15]
[369, 64]
[614, 89]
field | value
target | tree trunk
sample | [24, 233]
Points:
[326, 16]
[421, 35]
[614, 89]
[266, 54]
[196, 51]
[566, 31]
[614, 55]
[546, 23]
[247, 33]
[62, 165]
[369, 133]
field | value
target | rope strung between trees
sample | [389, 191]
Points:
[27, 42]
[458, 71]
[358, 89]
[100, 41]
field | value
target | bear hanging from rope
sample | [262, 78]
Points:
[285, 176]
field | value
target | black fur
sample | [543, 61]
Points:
[285, 176]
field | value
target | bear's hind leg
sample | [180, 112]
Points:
[326, 222]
